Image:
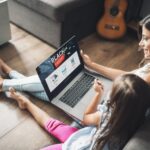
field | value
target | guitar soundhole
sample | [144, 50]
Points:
[112, 27]
[114, 11]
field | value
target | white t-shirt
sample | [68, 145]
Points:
[141, 72]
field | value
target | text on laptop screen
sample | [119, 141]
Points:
[69, 62]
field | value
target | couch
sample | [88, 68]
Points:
[141, 139]
[5, 34]
[55, 21]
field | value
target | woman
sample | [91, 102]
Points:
[144, 44]
[108, 127]
[33, 85]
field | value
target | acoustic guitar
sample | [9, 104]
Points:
[112, 24]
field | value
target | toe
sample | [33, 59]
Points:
[11, 89]
[13, 92]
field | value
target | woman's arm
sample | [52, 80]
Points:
[91, 115]
[105, 71]
[147, 78]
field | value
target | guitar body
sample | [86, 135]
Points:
[112, 24]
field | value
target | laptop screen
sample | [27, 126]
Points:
[59, 69]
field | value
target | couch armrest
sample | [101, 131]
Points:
[141, 140]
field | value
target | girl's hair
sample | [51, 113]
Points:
[129, 100]
[146, 23]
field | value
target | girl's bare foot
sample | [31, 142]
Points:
[20, 99]
[4, 67]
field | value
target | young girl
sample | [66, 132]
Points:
[33, 85]
[109, 126]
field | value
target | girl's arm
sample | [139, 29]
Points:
[91, 115]
[105, 71]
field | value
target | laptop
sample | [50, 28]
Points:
[67, 83]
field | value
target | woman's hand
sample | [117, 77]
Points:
[87, 60]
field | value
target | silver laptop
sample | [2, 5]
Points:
[67, 83]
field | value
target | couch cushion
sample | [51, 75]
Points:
[54, 9]
[141, 140]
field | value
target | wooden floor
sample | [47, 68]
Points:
[18, 130]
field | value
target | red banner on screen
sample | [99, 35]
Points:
[59, 61]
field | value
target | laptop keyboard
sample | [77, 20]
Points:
[77, 90]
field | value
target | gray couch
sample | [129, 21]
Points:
[141, 140]
[54, 21]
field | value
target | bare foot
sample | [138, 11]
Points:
[21, 99]
[4, 67]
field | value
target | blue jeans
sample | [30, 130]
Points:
[30, 84]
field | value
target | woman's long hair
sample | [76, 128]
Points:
[129, 100]
[146, 23]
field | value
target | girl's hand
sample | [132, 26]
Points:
[98, 86]
[87, 60]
